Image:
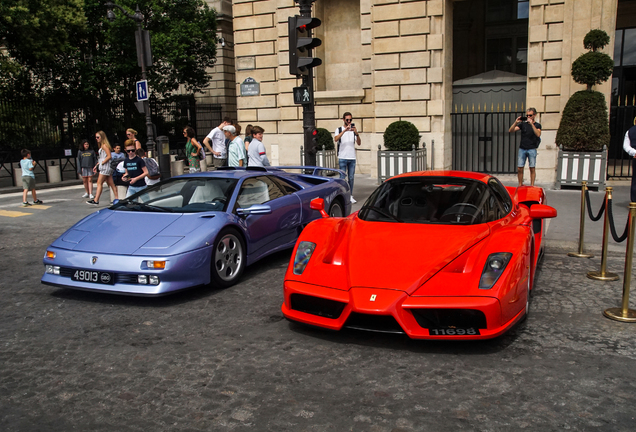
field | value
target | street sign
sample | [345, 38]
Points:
[142, 90]
[249, 87]
[302, 96]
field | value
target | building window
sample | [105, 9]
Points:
[340, 51]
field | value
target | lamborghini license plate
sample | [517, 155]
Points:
[454, 332]
[93, 276]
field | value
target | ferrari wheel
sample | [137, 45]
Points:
[228, 259]
[336, 210]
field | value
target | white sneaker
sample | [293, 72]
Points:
[352, 200]
[91, 196]
[85, 196]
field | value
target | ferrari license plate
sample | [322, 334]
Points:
[454, 332]
[93, 276]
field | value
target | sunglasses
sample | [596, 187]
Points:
[529, 115]
[348, 120]
[130, 151]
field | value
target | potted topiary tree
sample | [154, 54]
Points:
[402, 141]
[583, 132]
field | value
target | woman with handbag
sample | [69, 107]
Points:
[193, 150]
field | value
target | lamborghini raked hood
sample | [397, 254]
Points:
[388, 255]
[126, 233]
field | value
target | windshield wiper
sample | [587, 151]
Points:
[147, 207]
[383, 213]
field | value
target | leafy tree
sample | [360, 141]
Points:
[74, 55]
[584, 124]
[401, 136]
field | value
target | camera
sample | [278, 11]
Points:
[523, 118]
[353, 125]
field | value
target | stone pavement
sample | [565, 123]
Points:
[219, 360]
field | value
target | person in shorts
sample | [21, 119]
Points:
[28, 178]
[530, 140]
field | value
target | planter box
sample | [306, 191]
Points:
[392, 163]
[573, 167]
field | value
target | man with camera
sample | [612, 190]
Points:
[347, 137]
[530, 140]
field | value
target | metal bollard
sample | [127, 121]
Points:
[625, 314]
[580, 253]
[603, 274]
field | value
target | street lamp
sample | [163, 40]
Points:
[144, 59]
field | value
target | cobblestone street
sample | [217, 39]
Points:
[221, 360]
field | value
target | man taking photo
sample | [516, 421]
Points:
[347, 137]
[530, 140]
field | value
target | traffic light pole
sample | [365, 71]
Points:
[309, 115]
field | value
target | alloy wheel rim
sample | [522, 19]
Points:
[228, 257]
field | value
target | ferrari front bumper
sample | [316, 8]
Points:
[394, 311]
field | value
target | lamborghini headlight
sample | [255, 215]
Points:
[495, 266]
[303, 254]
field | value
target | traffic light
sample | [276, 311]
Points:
[311, 140]
[301, 43]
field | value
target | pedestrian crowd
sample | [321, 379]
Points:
[132, 171]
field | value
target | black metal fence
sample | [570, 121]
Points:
[619, 164]
[53, 133]
[482, 143]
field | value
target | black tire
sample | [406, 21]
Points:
[336, 209]
[228, 258]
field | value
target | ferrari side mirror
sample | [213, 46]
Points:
[541, 211]
[319, 204]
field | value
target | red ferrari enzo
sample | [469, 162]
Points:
[434, 254]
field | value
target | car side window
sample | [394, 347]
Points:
[258, 190]
[287, 187]
[501, 193]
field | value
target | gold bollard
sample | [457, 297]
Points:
[625, 314]
[580, 253]
[603, 274]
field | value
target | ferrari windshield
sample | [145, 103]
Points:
[181, 195]
[441, 200]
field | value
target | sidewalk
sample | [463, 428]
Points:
[563, 231]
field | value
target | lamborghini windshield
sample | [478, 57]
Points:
[440, 200]
[182, 195]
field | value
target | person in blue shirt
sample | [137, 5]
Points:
[28, 178]
[236, 150]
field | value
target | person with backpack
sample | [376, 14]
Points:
[347, 137]
[154, 176]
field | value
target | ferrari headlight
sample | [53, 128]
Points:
[303, 254]
[495, 266]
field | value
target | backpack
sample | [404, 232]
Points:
[338, 148]
[201, 154]
[153, 169]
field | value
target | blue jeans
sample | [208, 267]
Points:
[349, 167]
[135, 189]
[531, 154]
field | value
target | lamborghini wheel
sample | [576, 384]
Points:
[228, 259]
[336, 209]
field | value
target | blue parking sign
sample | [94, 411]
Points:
[142, 90]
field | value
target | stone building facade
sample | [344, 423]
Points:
[388, 60]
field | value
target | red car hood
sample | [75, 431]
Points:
[389, 255]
